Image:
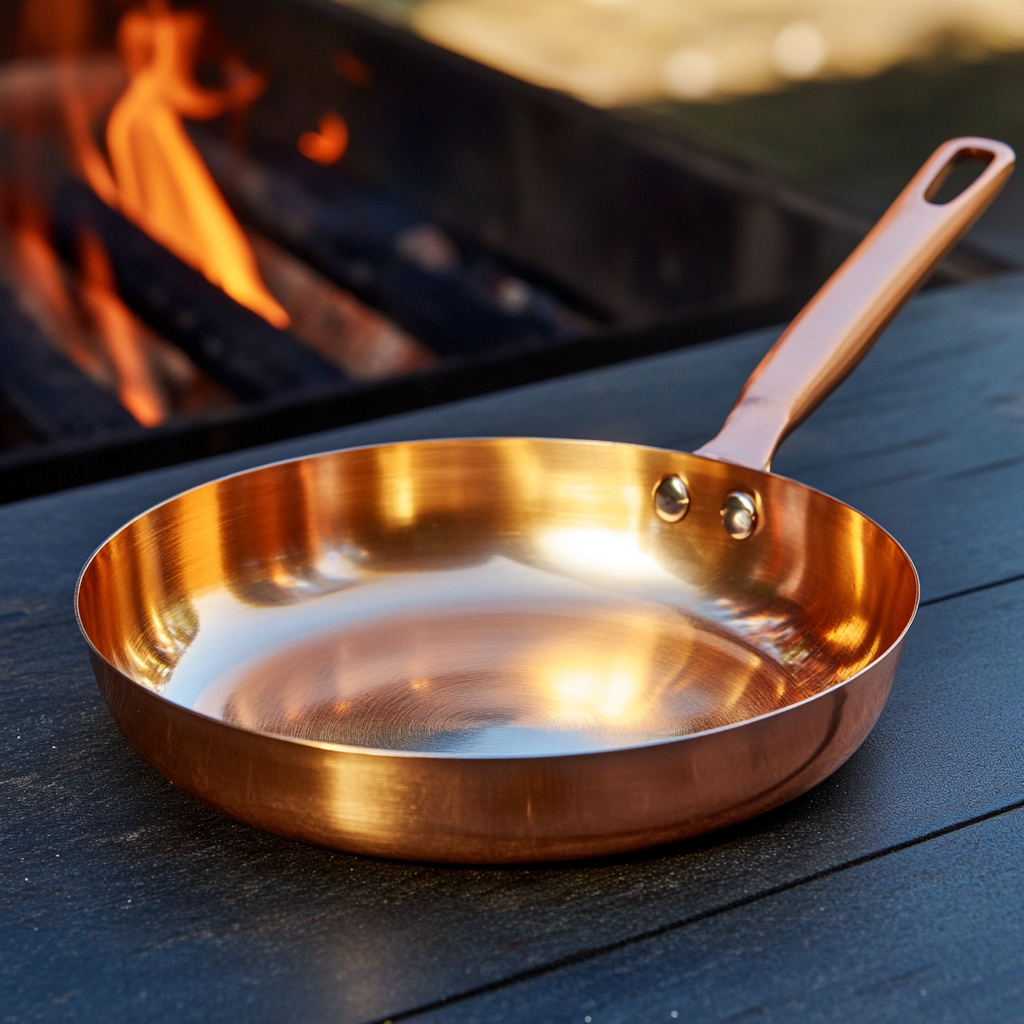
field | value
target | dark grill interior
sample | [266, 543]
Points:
[476, 233]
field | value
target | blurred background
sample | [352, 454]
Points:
[842, 97]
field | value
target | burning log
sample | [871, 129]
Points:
[387, 256]
[146, 294]
[45, 389]
[83, 316]
[238, 348]
[78, 311]
[334, 322]
[154, 379]
[158, 180]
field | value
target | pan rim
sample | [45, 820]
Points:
[351, 749]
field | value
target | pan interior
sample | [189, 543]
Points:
[526, 663]
[503, 620]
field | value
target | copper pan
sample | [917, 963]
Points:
[512, 649]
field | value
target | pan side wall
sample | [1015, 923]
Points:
[816, 580]
[497, 810]
[822, 589]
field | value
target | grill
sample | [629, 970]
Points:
[426, 229]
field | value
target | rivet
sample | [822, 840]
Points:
[671, 499]
[739, 515]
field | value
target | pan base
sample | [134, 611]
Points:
[510, 681]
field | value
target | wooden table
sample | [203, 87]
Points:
[893, 891]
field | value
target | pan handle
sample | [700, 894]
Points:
[835, 330]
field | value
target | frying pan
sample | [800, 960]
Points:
[514, 649]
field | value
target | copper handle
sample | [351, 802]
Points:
[835, 330]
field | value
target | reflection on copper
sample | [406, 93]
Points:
[610, 555]
[328, 145]
[399, 505]
[163, 611]
[280, 562]
[304, 531]
[514, 682]
[436, 599]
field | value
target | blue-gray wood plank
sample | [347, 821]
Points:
[127, 900]
[921, 935]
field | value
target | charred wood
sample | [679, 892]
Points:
[234, 346]
[391, 258]
[45, 390]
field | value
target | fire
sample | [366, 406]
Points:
[87, 320]
[156, 176]
[40, 279]
[327, 145]
[151, 171]
[137, 387]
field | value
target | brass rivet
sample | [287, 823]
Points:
[739, 515]
[671, 499]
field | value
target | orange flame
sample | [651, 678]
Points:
[88, 322]
[327, 145]
[156, 175]
[137, 388]
[43, 286]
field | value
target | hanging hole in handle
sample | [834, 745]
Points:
[965, 167]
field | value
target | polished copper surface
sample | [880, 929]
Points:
[509, 649]
[858, 302]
